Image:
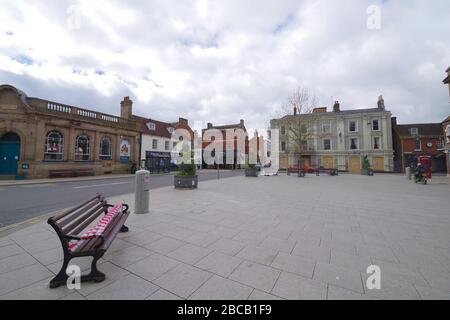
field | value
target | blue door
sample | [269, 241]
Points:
[9, 154]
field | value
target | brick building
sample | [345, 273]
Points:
[421, 139]
[230, 147]
[446, 127]
[38, 135]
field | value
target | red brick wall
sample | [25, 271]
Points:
[408, 145]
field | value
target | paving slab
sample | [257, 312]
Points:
[219, 263]
[129, 287]
[294, 287]
[255, 275]
[218, 288]
[153, 266]
[183, 280]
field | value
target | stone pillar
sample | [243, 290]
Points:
[96, 146]
[70, 144]
[40, 141]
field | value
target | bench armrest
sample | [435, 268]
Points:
[124, 204]
[70, 237]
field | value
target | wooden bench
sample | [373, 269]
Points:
[331, 172]
[84, 231]
[64, 173]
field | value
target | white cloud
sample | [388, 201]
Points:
[220, 61]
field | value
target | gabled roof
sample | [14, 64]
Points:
[425, 129]
[160, 127]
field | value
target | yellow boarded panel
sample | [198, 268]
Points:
[354, 165]
[283, 163]
[378, 163]
[327, 162]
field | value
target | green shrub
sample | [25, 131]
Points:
[365, 163]
[188, 169]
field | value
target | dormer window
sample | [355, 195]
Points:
[170, 129]
[414, 131]
[151, 125]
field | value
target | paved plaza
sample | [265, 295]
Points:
[280, 237]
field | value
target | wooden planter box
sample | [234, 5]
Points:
[185, 182]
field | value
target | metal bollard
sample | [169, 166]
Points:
[141, 193]
[408, 173]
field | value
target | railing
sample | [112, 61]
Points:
[58, 107]
[79, 113]
[86, 113]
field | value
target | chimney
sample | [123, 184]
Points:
[126, 108]
[380, 102]
[209, 125]
[336, 107]
[241, 122]
[183, 121]
[295, 111]
[394, 121]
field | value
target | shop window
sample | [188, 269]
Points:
[105, 149]
[82, 148]
[54, 146]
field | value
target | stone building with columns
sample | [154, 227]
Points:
[38, 137]
[338, 138]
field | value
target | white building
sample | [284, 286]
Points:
[157, 143]
[339, 139]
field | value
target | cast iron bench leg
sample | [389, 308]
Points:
[61, 277]
[95, 274]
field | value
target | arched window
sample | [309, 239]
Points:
[82, 148]
[105, 149]
[54, 146]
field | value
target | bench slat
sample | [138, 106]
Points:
[88, 221]
[72, 210]
[92, 210]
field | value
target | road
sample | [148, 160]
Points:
[22, 202]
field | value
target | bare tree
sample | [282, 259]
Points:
[301, 101]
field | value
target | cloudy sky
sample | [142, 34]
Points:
[220, 61]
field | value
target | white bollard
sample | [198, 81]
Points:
[408, 173]
[141, 192]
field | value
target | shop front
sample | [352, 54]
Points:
[157, 162]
